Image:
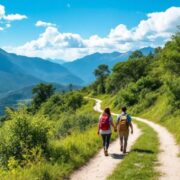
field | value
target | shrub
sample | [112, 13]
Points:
[20, 137]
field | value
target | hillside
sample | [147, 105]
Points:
[57, 133]
[12, 98]
[85, 66]
[11, 76]
[20, 71]
[148, 85]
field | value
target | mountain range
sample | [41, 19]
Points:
[19, 71]
[84, 67]
[18, 74]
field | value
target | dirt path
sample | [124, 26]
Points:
[169, 150]
[168, 156]
[100, 167]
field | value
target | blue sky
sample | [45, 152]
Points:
[80, 17]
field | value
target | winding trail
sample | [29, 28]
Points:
[99, 167]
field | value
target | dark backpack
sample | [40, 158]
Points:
[104, 123]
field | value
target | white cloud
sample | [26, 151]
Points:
[153, 31]
[8, 18]
[8, 25]
[2, 11]
[44, 24]
[15, 17]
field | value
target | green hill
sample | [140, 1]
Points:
[56, 134]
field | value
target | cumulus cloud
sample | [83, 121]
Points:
[6, 19]
[15, 17]
[153, 31]
[44, 24]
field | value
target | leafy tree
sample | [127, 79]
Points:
[125, 72]
[136, 55]
[170, 55]
[41, 93]
[101, 74]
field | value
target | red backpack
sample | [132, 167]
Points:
[104, 123]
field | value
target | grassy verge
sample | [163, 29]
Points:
[140, 162]
[66, 155]
[161, 114]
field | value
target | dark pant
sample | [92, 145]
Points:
[106, 140]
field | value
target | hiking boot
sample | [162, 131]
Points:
[124, 151]
[106, 153]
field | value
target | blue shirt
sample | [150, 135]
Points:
[122, 114]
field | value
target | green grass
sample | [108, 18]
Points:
[161, 113]
[140, 163]
[66, 154]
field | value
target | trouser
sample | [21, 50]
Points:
[123, 139]
[106, 140]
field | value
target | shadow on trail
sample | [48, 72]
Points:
[142, 151]
[117, 156]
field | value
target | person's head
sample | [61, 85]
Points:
[124, 109]
[107, 111]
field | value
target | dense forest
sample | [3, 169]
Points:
[56, 133]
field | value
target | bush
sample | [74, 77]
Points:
[174, 89]
[21, 137]
[61, 103]
[70, 123]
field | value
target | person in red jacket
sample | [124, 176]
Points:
[104, 128]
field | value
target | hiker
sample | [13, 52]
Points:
[123, 124]
[104, 128]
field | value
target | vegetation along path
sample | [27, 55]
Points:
[100, 167]
[169, 162]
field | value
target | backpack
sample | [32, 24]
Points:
[104, 123]
[123, 123]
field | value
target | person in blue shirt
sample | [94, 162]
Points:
[123, 124]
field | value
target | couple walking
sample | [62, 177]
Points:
[122, 127]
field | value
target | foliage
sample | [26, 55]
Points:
[60, 103]
[125, 72]
[101, 73]
[136, 55]
[75, 123]
[41, 93]
[21, 137]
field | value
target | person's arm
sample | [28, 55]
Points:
[112, 124]
[98, 125]
[130, 124]
[117, 122]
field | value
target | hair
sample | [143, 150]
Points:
[107, 111]
[124, 108]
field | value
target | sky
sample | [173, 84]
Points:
[71, 29]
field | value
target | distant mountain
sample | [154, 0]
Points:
[45, 70]
[11, 76]
[57, 61]
[85, 66]
[11, 99]
[147, 50]
[17, 72]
